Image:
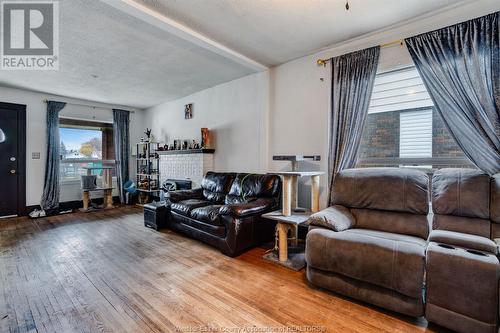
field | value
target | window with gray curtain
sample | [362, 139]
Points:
[403, 129]
[353, 76]
[460, 67]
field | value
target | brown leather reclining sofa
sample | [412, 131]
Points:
[226, 210]
[462, 267]
[370, 245]
[374, 245]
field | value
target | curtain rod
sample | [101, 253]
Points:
[323, 62]
[89, 105]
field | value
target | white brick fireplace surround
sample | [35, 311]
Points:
[186, 164]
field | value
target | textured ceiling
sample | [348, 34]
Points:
[109, 56]
[136, 64]
[275, 31]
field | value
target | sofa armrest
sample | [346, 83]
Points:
[258, 206]
[336, 218]
[467, 241]
[176, 196]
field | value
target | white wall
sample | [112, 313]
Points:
[36, 136]
[236, 114]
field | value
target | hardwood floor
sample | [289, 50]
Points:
[106, 272]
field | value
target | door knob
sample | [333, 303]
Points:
[13, 171]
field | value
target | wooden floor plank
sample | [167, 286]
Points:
[106, 272]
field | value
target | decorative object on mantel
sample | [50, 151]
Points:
[186, 151]
[205, 138]
[181, 145]
[177, 144]
[188, 111]
[148, 135]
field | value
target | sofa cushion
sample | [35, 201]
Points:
[337, 218]
[399, 223]
[253, 207]
[176, 196]
[392, 189]
[388, 260]
[207, 214]
[184, 207]
[468, 225]
[461, 192]
[216, 185]
[246, 187]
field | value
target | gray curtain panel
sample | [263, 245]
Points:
[50, 196]
[353, 76]
[460, 67]
[121, 141]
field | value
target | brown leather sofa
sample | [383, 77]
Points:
[461, 262]
[226, 210]
[371, 244]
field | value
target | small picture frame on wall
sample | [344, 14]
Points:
[188, 111]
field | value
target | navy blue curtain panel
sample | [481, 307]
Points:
[121, 138]
[50, 196]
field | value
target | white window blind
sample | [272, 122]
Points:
[415, 137]
[398, 90]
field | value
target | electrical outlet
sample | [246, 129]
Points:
[35, 155]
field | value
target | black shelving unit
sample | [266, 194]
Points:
[148, 167]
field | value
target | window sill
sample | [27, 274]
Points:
[74, 181]
[425, 161]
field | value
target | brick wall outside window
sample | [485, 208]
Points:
[381, 138]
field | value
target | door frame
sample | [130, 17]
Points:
[21, 154]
